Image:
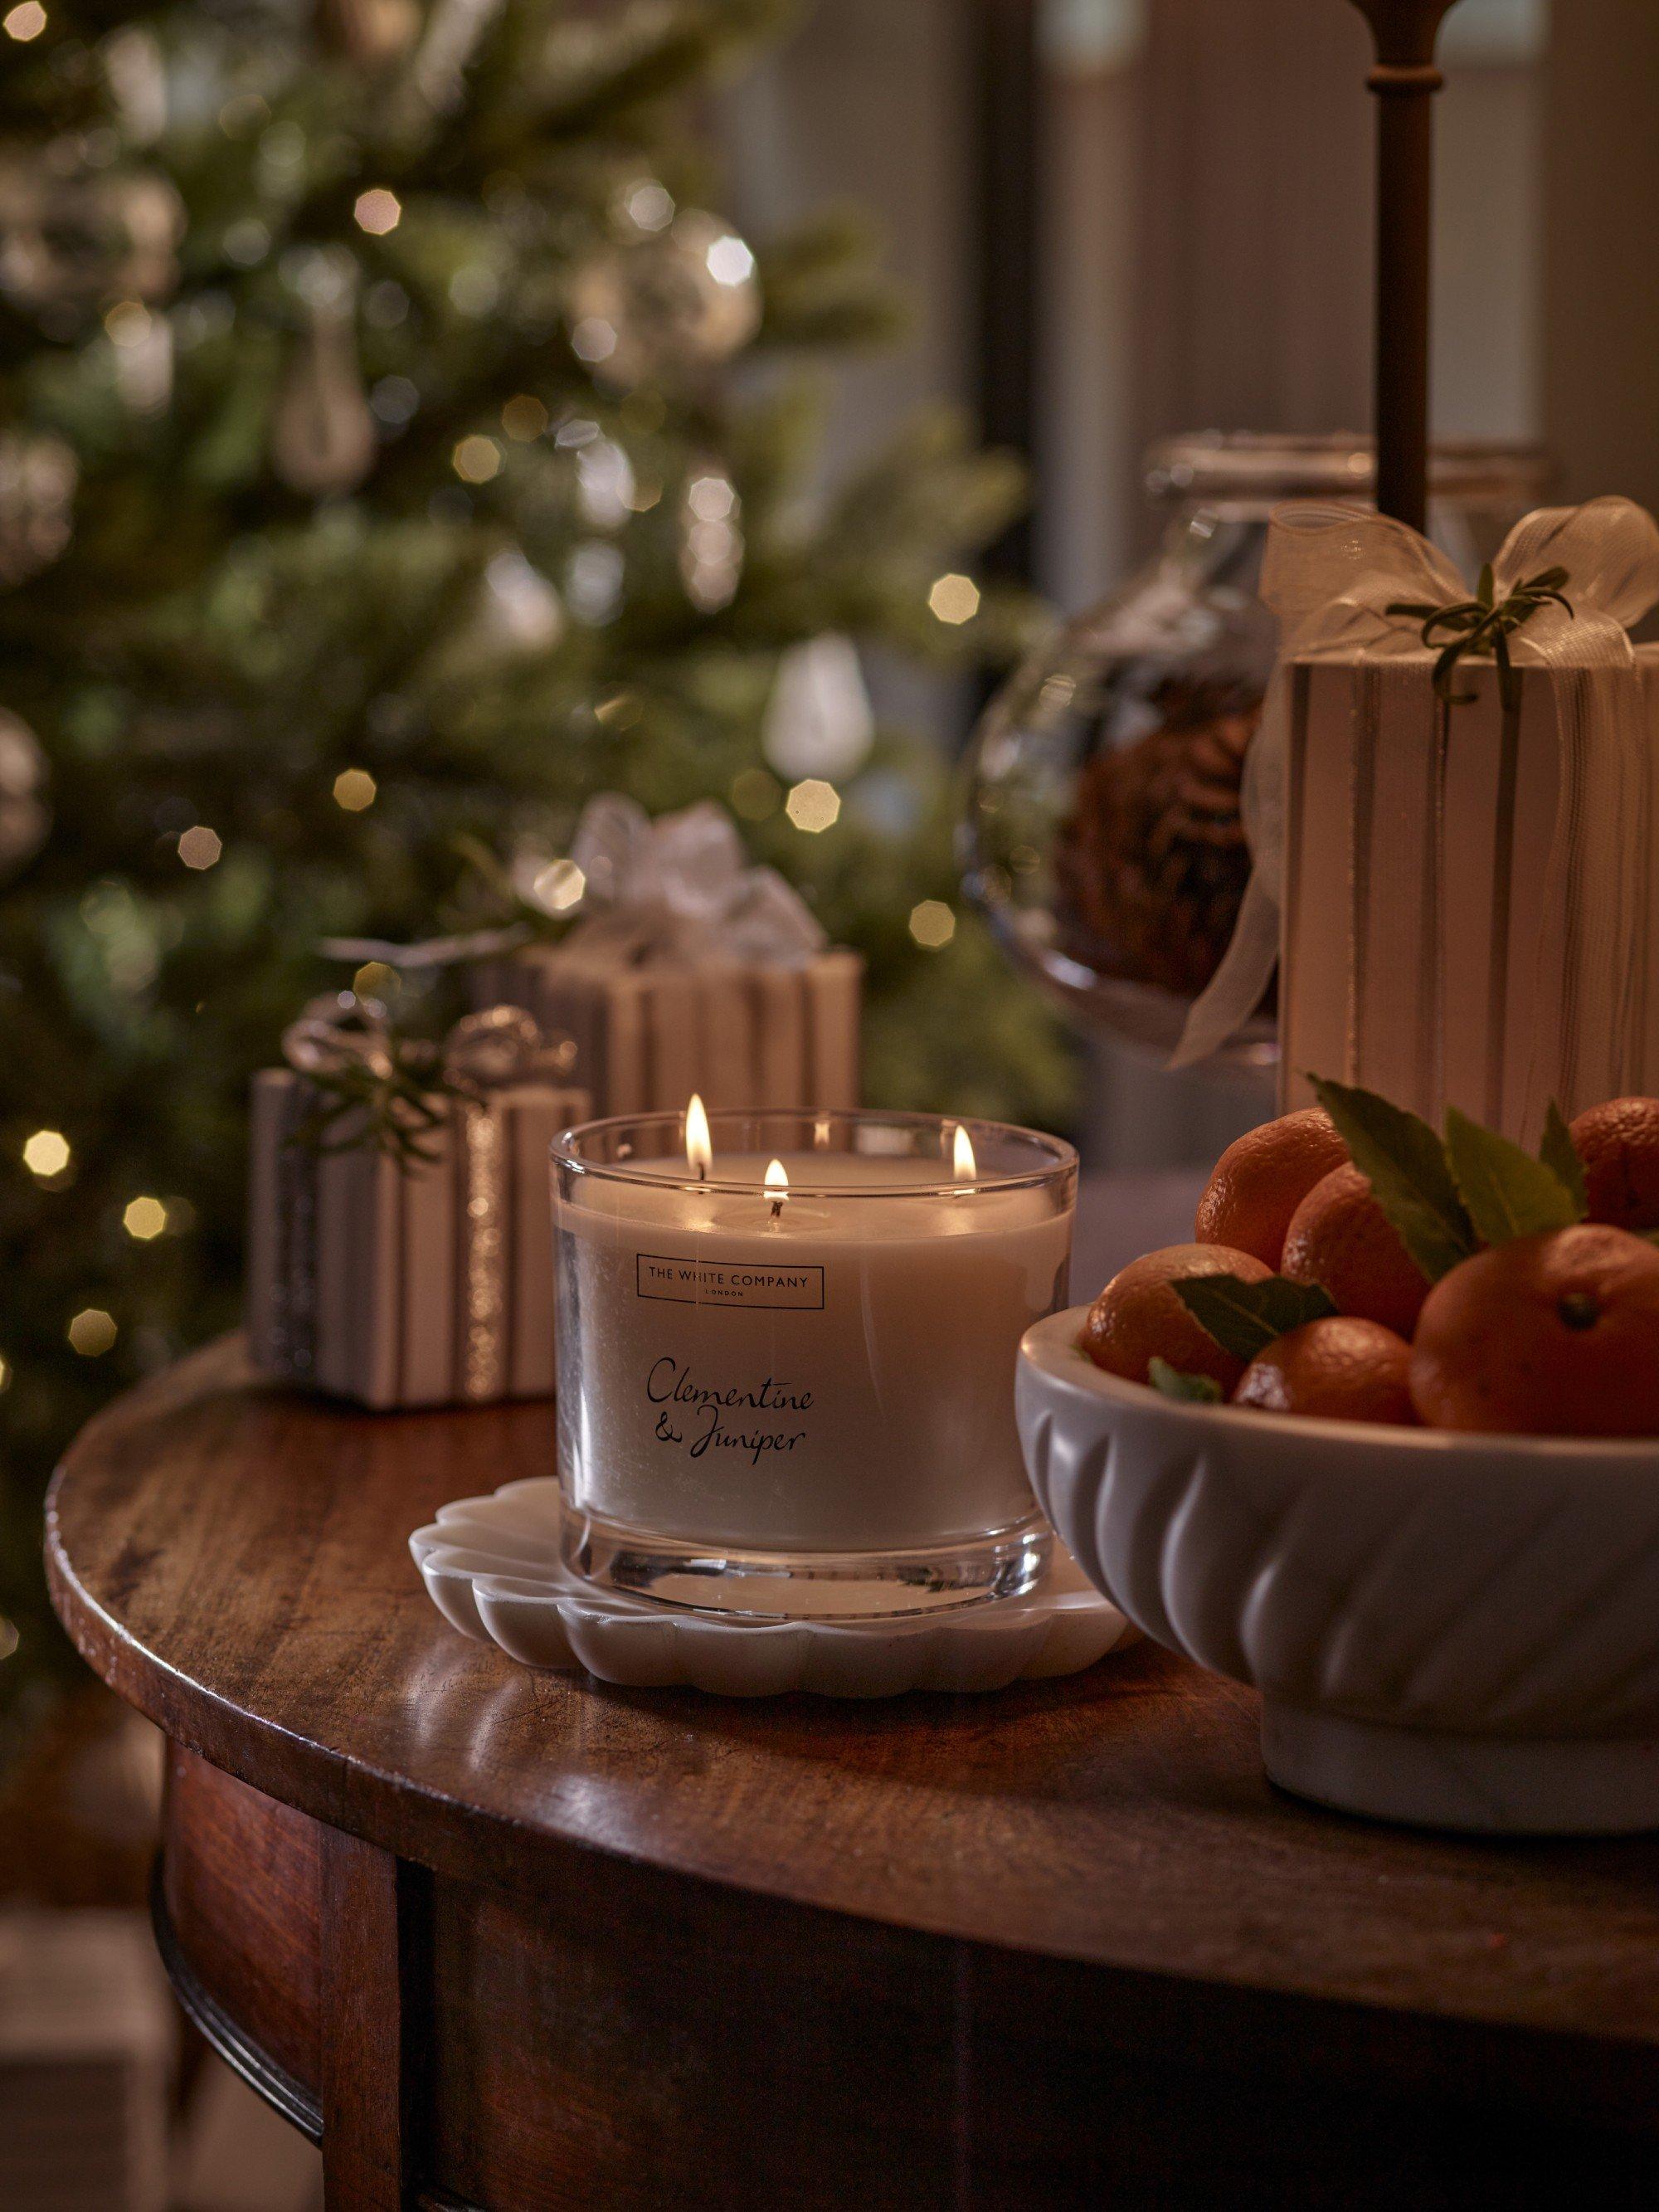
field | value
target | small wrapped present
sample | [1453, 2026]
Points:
[688, 970]
[400, 1244]
[1452, 805]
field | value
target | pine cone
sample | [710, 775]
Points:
[1152, 864]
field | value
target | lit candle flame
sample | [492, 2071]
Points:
[964, 1165]
[777, 1186]
[699, 1152]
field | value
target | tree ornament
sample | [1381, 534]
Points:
[136, 71]
[322, 437]
[71, 236]
[453, 28]
[666, 305]
[367, 32]
[25, 815]
[819, 721]
[1151, 862]
[37, 476]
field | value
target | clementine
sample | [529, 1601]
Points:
[1552, 1335]
[1618, 1144]
[1139, 1316]
[1340, 1368]
[1340, 1236]
[1262, 1177]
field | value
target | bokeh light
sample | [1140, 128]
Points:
[932, 924]
[378, 212]
[93, 1332]
[955, 599]
[354, 788]
[46, 1153]
[814, 805]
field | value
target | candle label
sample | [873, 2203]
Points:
[721, 1283]
[695, 1414]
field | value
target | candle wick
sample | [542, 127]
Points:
[777, 1209]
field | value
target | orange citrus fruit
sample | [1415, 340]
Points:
[1618, 1144]
[1139, 1316]
[1340, 1236]
[1262, 1177]
[1555, 1335]
[1340, 1368]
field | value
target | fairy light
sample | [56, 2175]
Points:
[558, 886]
[378, 212]
[93, 1332]
[144, 1218]
[25, 21]
[932, 924]
[650, 205]
[376, 980]
[711, 499]
[5, 1372]
[729, 261]
[477, 459]
[593, 339]
[954, 599]
[524, 418]
[354, 788]
[48, 1153]
[200, 847]
[814, 805]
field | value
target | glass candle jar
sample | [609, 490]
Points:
[787, 1349]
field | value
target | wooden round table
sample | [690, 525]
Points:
[513, 1941]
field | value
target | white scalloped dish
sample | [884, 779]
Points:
[492, 1567]
[1458, 1630]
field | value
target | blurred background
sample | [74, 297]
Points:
[418, 416]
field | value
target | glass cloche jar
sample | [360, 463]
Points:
[1103, 835]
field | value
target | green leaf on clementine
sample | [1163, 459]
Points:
[1559, 1152]
[1197, 1389]
[1508, 1193]
[1410, 1177]
[1245, 1318]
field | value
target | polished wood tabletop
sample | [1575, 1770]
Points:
[510, 1939]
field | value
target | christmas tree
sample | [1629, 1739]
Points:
[395, 451]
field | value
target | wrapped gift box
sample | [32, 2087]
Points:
[687, 970]
[1455, 871]
[648, 1034]
[403, 1281]
[1466, 917]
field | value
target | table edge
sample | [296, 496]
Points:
[434, 1829]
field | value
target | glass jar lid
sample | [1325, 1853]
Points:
[1249, 471]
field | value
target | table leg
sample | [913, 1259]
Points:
[368, 1946]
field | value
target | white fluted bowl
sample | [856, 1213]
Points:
[1458, 1630]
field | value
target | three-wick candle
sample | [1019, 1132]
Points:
[785, 1338]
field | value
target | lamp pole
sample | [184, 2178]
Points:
[1405, 81]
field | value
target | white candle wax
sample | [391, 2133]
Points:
[822, 1373]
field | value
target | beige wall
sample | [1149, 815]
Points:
[868, 103]
[1207, 215]
[1600, 258]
